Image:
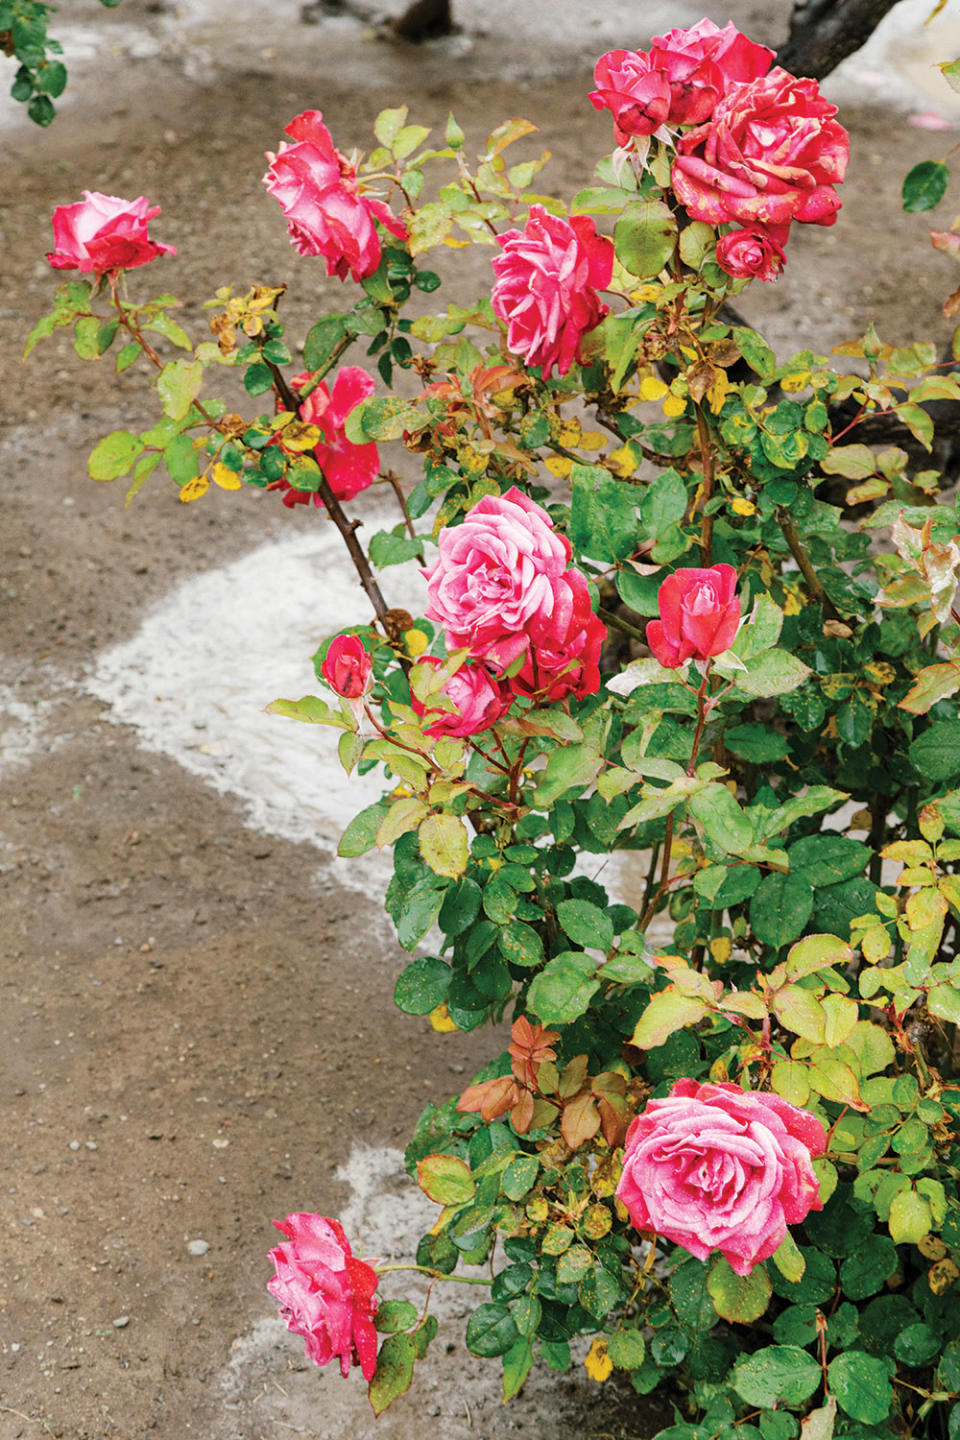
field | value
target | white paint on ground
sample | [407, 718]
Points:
[23, 726]
[196, 678]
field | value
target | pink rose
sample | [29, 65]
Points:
[714, 1167]
[565, 662]
[699, 615]
[678, 81]
[477, 697]
[346, 667]
[756, 252]
[545, 287]
[771, 153]
[349, 468]
[102, 232]
[325, 1294]
[317, 190]
[498, 583]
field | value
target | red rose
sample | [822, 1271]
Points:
[771, 153]
[346, 667]
[325, 1293]
[678, 81]
[565, 658]
[102, 232]
[756, 252]
[317, 189]
[545, 287]
[477, 697]
[699, 615]
[349, 468]
[714, 1167]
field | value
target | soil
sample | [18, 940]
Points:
[197, 1022]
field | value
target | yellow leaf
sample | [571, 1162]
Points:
[226, 478]
[598, 1364]
[673, 406]
[440, 1020]
[194, 489]
[720, 948]
[740, 506]
[416, 642]
[559, 465]
[792, 604]
[644, 293]
[793, 383]
[592, 440]
[623, 460]
[718, 391]
[569, 433]
[652, 388]
[299, 436]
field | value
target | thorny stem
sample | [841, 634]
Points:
[325, 369]
[624, 626]
[810, 576]
[394, 483]
[346, 527]
[703, 709]
[706, 456]
[434, 1274]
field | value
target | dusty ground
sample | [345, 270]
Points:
[197, 1028]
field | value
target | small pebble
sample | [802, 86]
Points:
[74, 1144]
[121, 1322]
[197, 1247]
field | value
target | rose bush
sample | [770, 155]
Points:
[670, 756]
[101, 233]
[325, 1293]
[714, 1167]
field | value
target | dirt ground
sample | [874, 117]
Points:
[197, 1030]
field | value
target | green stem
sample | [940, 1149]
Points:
[433, 1274]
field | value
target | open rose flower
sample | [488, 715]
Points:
[325, 1293]
[349, 468]
[546, 287]
[755, 253]
[771, 153]
[346, 667]
[498, 582]
[699, 615]
[714, 1167]
[678, 81]
[565, 661]
[102, 232]
[317, 189]
[477, 697]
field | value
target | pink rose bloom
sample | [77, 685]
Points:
[349, 468]
[678, 81]
[346, 667]
[478, 699]
[317, 189]
[325, 1294]
[714, 1167]
[498, 583]
[754, 253]
[771, 153]
[545, 287]
[102, 232]
[699, 615]
[565, 662]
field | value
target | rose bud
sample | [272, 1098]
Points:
[346, 667]
[699, 615]
[102, 232]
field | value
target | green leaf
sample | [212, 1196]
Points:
[739, 1298]
[755, 351]
[819, 1424]
[866, 1273]
[517, 1364]
[664, 503]
[925, 186]
[444, 845]
[421, 906]
[599, 1291]
[422, 985]
[626, 1348]
[382, 418]
[725, 823]
[446, 1180]
[776, 1375]
[586, 924]
[491, 1330]
[788, 1259]
[568, 766]
[780, 909]
[519, 1176]
[774, 672]
[936, 752]
[910, 1217]
[757, 743]
[644, 237]
[114, 455]
[827, 859]
[520, 944]
[177, 385]
[322, 340]
[862, 1386]
[564, 988]
[394, 1372]
[667, 1011]
[393, 1315]
[361, 834]
[853, 462]
[311, 710]
[603, 518]
[388, 549]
